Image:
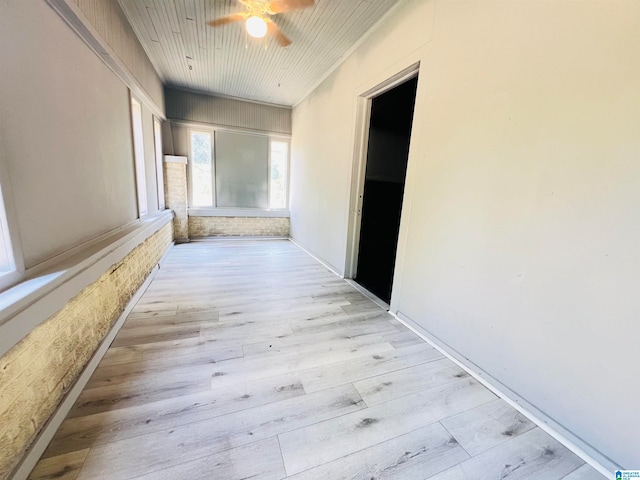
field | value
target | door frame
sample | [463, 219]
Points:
[359, 165]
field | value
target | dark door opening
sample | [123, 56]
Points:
[387, 155]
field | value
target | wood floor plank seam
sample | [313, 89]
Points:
[281, 457]
[453, 436]
[204, 418]
[373, 446]
[178, 464]
[249, 359]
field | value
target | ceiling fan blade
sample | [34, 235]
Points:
[281, 6]
[236, 17]
[277, 34]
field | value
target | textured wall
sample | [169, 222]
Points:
[109, 20]
[175, 195]
[201, 108]
[519, 243]
[37, 372]
[238, 226]
[65, 135]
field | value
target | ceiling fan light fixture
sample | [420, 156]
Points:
[256, 26]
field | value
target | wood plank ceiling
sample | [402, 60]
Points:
[189, 54]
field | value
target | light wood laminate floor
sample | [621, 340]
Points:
[248, 359]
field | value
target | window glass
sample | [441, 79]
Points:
[6, 258]
[238, 170]
[278, 175]
[157, 136]
[138, 144]
[201, 170]
[242, 170]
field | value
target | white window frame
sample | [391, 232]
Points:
[5, 240]
[211, 133]
[214, 210]
[287, 140]
[138, 157]
[157, 141]
[10, 239]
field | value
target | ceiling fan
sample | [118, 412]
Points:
[257, 17]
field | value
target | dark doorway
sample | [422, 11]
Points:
[387, 155]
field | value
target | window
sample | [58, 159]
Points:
[138, 147]
[278, 180]
[7, 263]
[201, 170]
[238, 170]
[157, 137]
[241, 170]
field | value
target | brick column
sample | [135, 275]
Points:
[175, 194]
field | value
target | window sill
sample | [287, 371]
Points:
[66, 275]
[236, 212]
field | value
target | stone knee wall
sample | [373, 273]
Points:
[175, 196]
[38, 371]
[238, 226]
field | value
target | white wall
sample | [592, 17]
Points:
[110, 22]
[520, 237]
[65, 135]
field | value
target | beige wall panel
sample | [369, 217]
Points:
[65, 134]
[109, 20]
[519, 243]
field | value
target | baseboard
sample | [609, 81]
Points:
[589, 454]
[37, 448]
[215, 238]
[316, 258]
[371, 296]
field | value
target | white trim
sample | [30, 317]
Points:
[41, 442]
[236, 212]
[316, 258]
[269, 173]
[593, 457]
[280, 139]
[212, 135]
[74, 17]
[12, 236]
[137, 140]
[175, 159]
[57, 260]
[214, 210]
[28, 304]
[359, 162]
[5, 239]
[157, 150]
[358, 169]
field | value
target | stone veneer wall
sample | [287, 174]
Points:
[38, 371]
[175, 195]
[238, 226]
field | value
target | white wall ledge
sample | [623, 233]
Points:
[175, 159]
[237, 212]
[49, 287]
